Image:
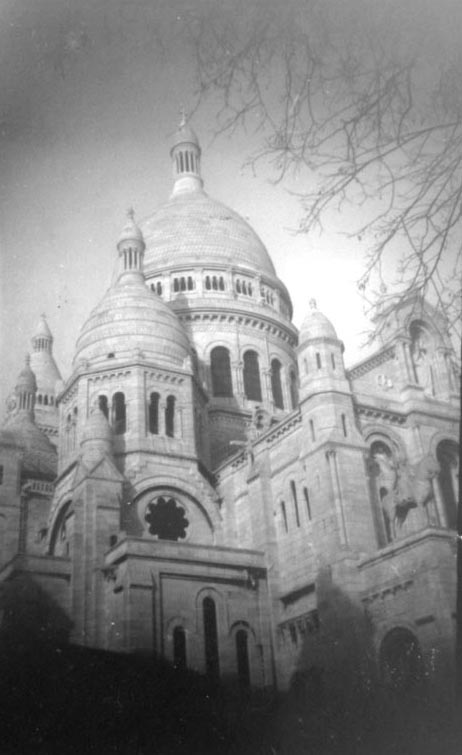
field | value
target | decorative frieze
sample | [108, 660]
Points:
[370, 364]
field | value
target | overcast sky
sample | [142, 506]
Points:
[91, 96]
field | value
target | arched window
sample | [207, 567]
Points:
[170, 417]
[210, 638]
[119, 414]
[318, 360]
[252, 385]
[176, 285]
[190, 283]
[447, 454]
[220, 366]
[293, 390]
[276, 386]
[242, 658]
[153, 412]
[39, 398]
[221, 283]
[401, 659]
[238, 286]
[159, 288]
[179, 648]
[45, 400]
[332, 359]
[207, 282]
[103, 405]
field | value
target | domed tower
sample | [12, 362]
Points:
[28, 468]
[132, 359]
[320, 355]
[208, 263]
[47, 375]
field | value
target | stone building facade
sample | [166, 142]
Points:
[212, 486]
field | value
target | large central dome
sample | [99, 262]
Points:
[191, 228]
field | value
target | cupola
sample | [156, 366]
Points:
[42, 340]
[320, 354]
[131, 248]
[185, 154]
[25, 389]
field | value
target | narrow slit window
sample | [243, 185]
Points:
[252, 384]
[242, 657]
[276, 384]
[294, 498]
[179, 648]
[119, 413]
[344, 425]
[284, 516]
[313, 434]
[307, 501]
[170, 417]
[210, 638]
[154, 413]
[332, 359]
[103, 405]
[318, 360]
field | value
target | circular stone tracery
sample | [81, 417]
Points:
[166, 519]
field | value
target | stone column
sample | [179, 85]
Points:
[439, 501]
[410, 373]
[331, 456]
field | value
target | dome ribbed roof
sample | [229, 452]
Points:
[191, 228]
[316, 325]
[130, 317]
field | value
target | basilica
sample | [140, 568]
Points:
[213, 487]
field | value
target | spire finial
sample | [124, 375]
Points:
[313, 304]
[183, 117]
[131, 213]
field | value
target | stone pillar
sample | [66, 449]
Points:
[409, 367]
[439, 501]
[331, 456]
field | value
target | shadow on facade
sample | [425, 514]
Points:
[59, 698]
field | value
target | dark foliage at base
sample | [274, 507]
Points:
[78, 701]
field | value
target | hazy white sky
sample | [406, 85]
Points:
[92, 92]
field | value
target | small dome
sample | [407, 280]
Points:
[26, 381]
[97, 427]
[316, 325]
[130, 318]
[131, 231]
[39, 459]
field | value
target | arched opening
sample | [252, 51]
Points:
[119, 413]
[103, 405]
[252, 385]
[293, 389]
[210, 638]
[220, 366]
[179, 648]
[383, 479]
[170, 417]
[276, 385]
[447, 454]
[401, 659]
[153, 414]
[242, 658]
[318, 360]
[39, 398]
[45, 400]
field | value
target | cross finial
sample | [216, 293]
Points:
[183, 117]
[131, 213]
[313, 304]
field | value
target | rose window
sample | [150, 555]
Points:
[166, 519]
